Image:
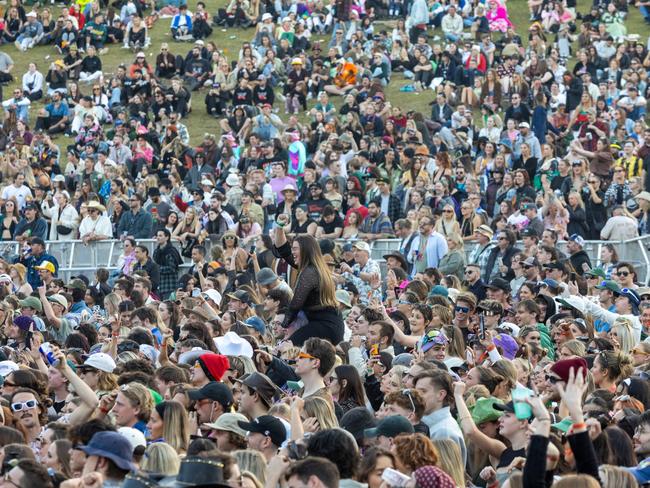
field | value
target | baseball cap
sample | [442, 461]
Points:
[240, 295]
[8, 367]
[528, 232]
[266, 276]
[390, 426]
[31, 302]
[46, 266]
[499, 284]
[608, 285]
[76, 284]
[578, 239]
[267, 425]
[630, 295]
[256, 323]
[362, 246]
[100, 361]
[60, 299]
[229, 422]
[214, 391]
[600, 272]
[524, 124]
[505, 407]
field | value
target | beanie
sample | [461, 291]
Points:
[214, 365]
[563, 367]
[25, 323]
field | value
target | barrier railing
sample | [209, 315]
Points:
[75, 257]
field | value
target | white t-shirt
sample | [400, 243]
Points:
[21, 193]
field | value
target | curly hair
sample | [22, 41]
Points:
[415, 451]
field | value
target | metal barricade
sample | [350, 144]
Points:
[75, 257]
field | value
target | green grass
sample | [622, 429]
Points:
[198, 121]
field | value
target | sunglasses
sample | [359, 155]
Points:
[623, 273]
[447, 211]
[462, 309]
[304, 355]
[552, 379]
[28, 405]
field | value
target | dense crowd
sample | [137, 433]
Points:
[260, 342]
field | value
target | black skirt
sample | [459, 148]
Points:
[325, 323]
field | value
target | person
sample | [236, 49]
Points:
[95, 226]
[144, 263]
[265, 434]
[109, 454]
[30, 225]
[427, 248]
[63, 217]
[168, 259]
[436, 389]
[314, 291]
[34, 255]
[135, 223]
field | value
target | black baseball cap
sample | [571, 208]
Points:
[499, 284]
[215, 391]
[390, 426]
[267, 425]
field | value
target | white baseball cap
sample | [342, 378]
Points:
[213, 295]
[7, 367]
[100, 361]
[134, 436]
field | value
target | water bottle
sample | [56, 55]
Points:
[523, 411]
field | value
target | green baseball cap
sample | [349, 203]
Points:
[31, 302]
[609, 285]
[600, 272]
[563, 425]
[484, 410]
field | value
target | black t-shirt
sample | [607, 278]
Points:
[509, 455]
[333, 225]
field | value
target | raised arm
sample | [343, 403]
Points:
[493, 447]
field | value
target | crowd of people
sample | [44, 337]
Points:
[260, 342]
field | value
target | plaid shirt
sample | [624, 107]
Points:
[380, 225]
[168, 259]
[481, 255]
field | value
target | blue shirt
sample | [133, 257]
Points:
[61, 111]
[443, 426]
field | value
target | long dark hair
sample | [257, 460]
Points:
[310, 255]
[353, 389]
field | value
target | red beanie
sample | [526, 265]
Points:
[563, 367]
[214, 365]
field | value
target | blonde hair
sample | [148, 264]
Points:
[450, 460]
[576, 347]
[252, 462]
[457, 240]
[161, 458]
[577, 481]
[106, 381]
[623, 328]
[139, 396]
[615, 477]
[112, 303]
[507, 370]
[253, 479]
[176, 426]
[322, 411]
